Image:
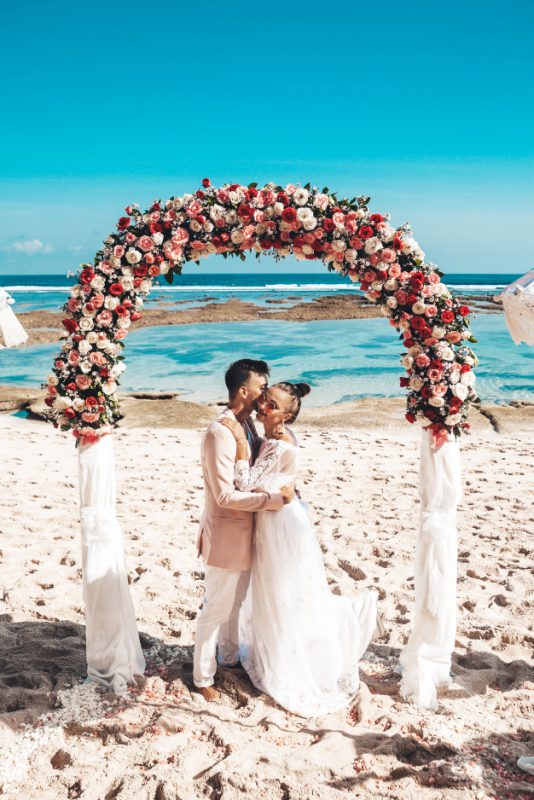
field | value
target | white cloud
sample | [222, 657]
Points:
[75, 248]
[30, 247]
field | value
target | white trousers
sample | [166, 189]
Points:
[218, 622]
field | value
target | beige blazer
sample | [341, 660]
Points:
[226, 524]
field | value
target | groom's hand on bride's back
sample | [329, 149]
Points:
[288, 493]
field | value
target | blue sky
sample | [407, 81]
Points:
[427, 107]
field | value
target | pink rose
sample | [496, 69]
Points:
[439, 389]
[422, 360]
[118, 251]
[291, 189]
[130, 237]
[435, 374]
[180, 236]
[154, 271]
[194, 208]
[394, 271]
[259, 216]
[98, 300]
[121, 333]
[356, 243]
[388, 255]
[105, 317]
[106, 268]
[83, 382]
[433, 277]
[90, 416]
[197, 245]
[374, 259]
[339, 219]
[73, 357]
[73, 304]
[223, 196]
[97, 358]
[369, 277]
[431, 311]
[145, 243]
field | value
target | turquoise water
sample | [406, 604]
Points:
[341, 359]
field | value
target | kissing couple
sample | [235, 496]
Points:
[267, 606]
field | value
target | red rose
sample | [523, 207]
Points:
[426, 391]
[155, 227]
[464, 310]
[265, 244]
[245, 212]
[69, 413]
[381, 275]
[70, 324]
[251, 192]
[206, 183]
[329, 225]
[416, 276]
[49, 401]
[123, 223]
[87, 275]
[409, 342]
[120, 311]
[447, 316]
[135, 316]
[141, 271]
[298, 241]
[436, 364]
[200, 194]
[365, 232]
[283, 198]
[416, 285]
[116, 289]
[465, 368]
[376, 218]
[91, 401]
[431, 415]
[289, 215]
[404, 382]
[410, 417]
[397, 243]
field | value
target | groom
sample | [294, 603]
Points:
[226, 526]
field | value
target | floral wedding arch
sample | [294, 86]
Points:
[309, 224]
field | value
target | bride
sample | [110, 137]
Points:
[299, 643]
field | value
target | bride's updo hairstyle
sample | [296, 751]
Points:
[296, 392]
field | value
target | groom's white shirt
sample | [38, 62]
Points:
[226, 525]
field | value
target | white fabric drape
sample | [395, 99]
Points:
[113, 649]
[12, 331]
[518, 306]
[426, 659]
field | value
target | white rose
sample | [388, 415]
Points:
[447, 354]
[145, 286]
[61, 403]
[460, 391]
[111, 302]
[75, 290]
[304, 213]
[92, 337]
[391, 285]
[301, 196]
[102, 344]
[416, 383]
[307, 249]
[109, 387]
[350, 256]
[392, 302]
[139, 303]
[133, 256]
[236, 236]
[453, 419]
[78, 404]
[415, 351]
[231, 217]
[115, 261]
[84, 347]
[157, 238]
[407, 362]
[386, 233]
[52, 380]
[208, 226]
[377, 286]
[178, 203]
[309, 224]
[195, 226]
[468, 378]
[320, 201]
[372, 245]
[418, 308]
[98, 282]
[278, 208]
[127, 272]
[217, 212]
[117, 370]
[454, 377]
[86, 324]
[339, 245]
[234, 197]
[437, 402]
[438, 333]
[441, 290]
[85, 367]
[124, 323]
[127, 284]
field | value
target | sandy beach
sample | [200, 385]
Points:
[60, 738]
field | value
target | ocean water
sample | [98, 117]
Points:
[342, 359]
[33, 292]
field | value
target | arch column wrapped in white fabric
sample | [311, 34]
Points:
[426, 659]
[12, 331]
[518, 306]
[113, 649]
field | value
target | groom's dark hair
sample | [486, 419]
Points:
[240, 371]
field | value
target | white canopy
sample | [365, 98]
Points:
[518, 304]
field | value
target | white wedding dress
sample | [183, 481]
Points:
[299, 643]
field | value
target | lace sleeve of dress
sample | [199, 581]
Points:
[247, 477]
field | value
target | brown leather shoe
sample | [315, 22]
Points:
[209, 693]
